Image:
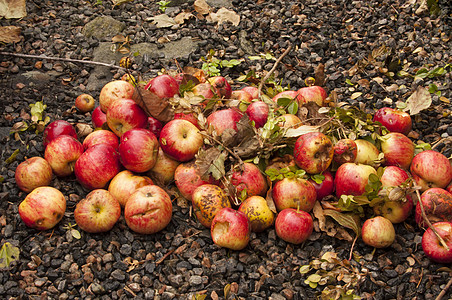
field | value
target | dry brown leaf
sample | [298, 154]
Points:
[119, 39]
[224, 15]
[295, 132]
[162, 21]
[181, 17]
[153, 105]
[418, 101]
[12, 9]
[201, 7]
[9, 34]
[320, 75]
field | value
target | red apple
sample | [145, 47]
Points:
[57, 128]
[163, 170]
[97, 212]
[221, 86]
[187, 177]
[398, 150]
[395, 210]
[148, 210]
[62, 153]
[248, 181]
[230, 229]
[313, 93]
[352, 178]
[449, 187]
[297, 193]
[125, 183]
[126, 114]
[294, 226]
[187, 116]
[258, 113]
[99, 118]
[138, 150]
[289, 95]
[345, 150]
[85, 103]
[378, 232]
[367, 153]
[252, 90]
[97, 166]
[101, 137]
[241, 96]
[437, 204]
[313, 152]
[164, 86]
[207, 201]
[431, 169]
[324, 188]
[115, 90]
[155, 126]
[431, 245]
[204, 90]
[394, 120]
[181, 140]
[290, 121]
[43, 208]
[224, 119]
[32, 173]
[258, 213]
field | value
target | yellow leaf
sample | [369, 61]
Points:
[13, 9]
[356, 95]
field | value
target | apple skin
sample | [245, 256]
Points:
[101, 136]
[378, 232]
[187, 177]
[352, 178]
[57, 128]
[437, 204]
[32, 173]
[288, 94]
[258, 213]
[187, 116]
[125, 114]
[398, 150]
[431, 169]
[258, 112]
[297, 193]
[221, 87]
[345, 151]
[326, 187]
[62, 153]
[148, 210]
[367, 153]
[249, 179]
[164, 86]
[125, 183]
[223, 119]
[313, 93]
[85, 103]
[294, 226]
[155, 126]
[313, 152]
[97, 166]
[290, 121]
[449, 187]
[252, 90]
[205, 90]
[241, 96]
[163, 170]
[207, 201]
[113, 91]
[99, 118]
[230, 229]
[395, 211]
[97, 212]
[43, 208]
[138, 150]
[433, 248]
[394, 120]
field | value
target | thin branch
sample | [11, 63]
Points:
[63, 59]
[261, 84]
[444, 291]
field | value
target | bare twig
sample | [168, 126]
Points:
[261, 84]
[225, 148]
[63, 59]
[429, 224]
[444, 291]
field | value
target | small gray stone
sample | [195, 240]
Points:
[118, 275]
[97, 288]
[195, 280]
[103, 28]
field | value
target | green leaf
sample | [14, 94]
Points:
[37, 110]
[318, 178]
[284, 101]
[305, 269]
[12, 157]
[76, 234]
[292, 108]
[348, 81]
[217, 166]
[314, 278]
[8, 254]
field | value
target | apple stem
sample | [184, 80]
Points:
[444, 291]
[261, 84]
[351, 249]
[429, 224]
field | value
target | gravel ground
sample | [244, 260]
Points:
[182, 261]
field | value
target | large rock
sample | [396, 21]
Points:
[103, 28]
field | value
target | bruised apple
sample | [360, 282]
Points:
[230, 229]
[367, 153]
[258, 213]
[313, 152]
[345, 151]
[187, 177]
[164, 168]
[394, 120]
[207, 200]
[224, 119]
[125, 183]
[431, 169]
[32, 173]
[437, 204]
[85, 103]
[62, 154]
[247, 179]
[113, 91]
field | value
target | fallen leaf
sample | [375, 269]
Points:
[119, 38]
[201, 7]
[9, 34]
[418, 101]
[295, 132]
[355, 95]
[181, 17]
[224, 15]
[162, 21]
[13, 9]
[320, 75]
[153, 105]
[8, 254]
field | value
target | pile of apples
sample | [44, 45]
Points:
[130, 159]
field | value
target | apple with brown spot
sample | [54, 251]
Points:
[230, 229]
